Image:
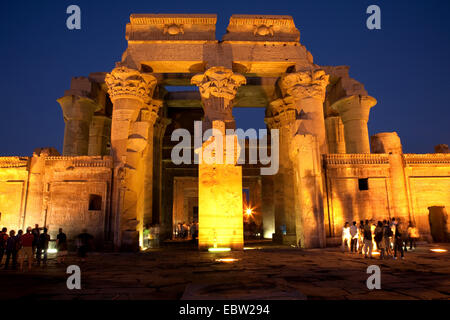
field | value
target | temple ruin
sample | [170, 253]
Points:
[115, 174]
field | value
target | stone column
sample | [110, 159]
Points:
[389, 142]
[305, 91]
[335, 134]
[159, 130]
[285, 121]
[220, 180]
[267, 206]
[308, 187]
[78, 112]
[298, 112]
[354, 112]
[134, 114]
[99, 135]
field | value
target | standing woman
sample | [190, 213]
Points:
[346, 237]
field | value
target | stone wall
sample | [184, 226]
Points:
[72, 193]
[428, 184]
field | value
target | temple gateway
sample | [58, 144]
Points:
[115, 175]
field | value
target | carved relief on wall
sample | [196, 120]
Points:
[126, 82]
[218, 82]
[173, 29]
[263, 30]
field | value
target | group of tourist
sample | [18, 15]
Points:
[151, 236]
[185, 230]
[388, 237]
[33, 246]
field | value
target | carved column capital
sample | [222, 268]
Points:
[302, 85]
[124, 82]
[218, 87]
[78, 108]
[150, 113]
[354, 112]
[356, 107]
[218, 82]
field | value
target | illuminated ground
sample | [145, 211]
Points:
[270, 272]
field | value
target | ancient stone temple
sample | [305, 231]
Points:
[116, 174]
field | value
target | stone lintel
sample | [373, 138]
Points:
[171, 27]
[265, 28]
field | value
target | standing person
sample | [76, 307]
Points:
[346, 237]
[18, 243]
[27, 249]
[146, 234]
[368, 244]
[36, 233]
[3, 239]
[11, 250]
[84, 243]
[413, 235]
[194, 231]
[61, 246]
[387, 235]
[361, 236]
[372, 230]
[393, 225]
[379, 232]
[398, 242]
[354, 235]
[156, 235]
[404, 234]
[42, 247]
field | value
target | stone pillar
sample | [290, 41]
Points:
[354, 112]
[298, 112]
[134, 114]
[78, 112]
[159, 130]
[389, 142]
[308, 186]
[220, 180]
[99, 135]
[284, 196]
[335, 134]
[267, 206]
[305, 91]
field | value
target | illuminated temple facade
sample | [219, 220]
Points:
[115, 174]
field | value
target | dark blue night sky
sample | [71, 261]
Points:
[405, 66]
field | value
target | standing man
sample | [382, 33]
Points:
[354, 235]
[27, 249]
[61, 246]
[398, 242]
[36, 232]
[11, 250]
[84, 244]
[3, 239]
[42, 247]
[368, 244]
